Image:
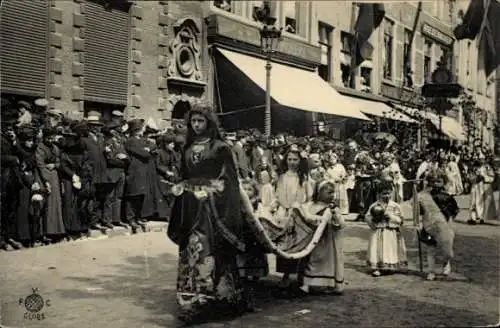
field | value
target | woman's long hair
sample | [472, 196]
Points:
[212, 131]
[302, 170]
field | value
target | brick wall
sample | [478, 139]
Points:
[151, 31]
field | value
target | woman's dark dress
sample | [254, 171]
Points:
[75, 161]
[207, 269]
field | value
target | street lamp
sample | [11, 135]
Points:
[270, 36]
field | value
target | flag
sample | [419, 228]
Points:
[369, 19]
[481, 21]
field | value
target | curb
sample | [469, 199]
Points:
[151, 226]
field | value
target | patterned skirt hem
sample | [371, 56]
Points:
[387, 266]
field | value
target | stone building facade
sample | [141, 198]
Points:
[147, 58]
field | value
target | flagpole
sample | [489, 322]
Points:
[352, 71]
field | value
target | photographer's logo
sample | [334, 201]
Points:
[34, 304]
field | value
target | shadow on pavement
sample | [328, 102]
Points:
[401, 301]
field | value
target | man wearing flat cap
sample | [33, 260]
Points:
[239, 150]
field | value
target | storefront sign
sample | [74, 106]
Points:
[235, 28]
[393, 92]
[436, 34]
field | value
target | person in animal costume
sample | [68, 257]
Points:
[437, 208]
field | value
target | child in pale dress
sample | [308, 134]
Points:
[386, 247]
[291, 189]
[324, 267]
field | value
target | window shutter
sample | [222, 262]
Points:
[106, 54]
[24, 39]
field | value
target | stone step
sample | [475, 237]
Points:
[152, 226]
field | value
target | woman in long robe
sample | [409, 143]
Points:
[48, 161]
[207, 223]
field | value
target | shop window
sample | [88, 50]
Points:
[325, 41]
[427, 61]
[407, 59]
[224, 5]
[388, 48]
[366, 74]
[446, 54]
[290, 9]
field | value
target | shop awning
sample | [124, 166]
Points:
[448, 126]
[296, 88]
[380, 109]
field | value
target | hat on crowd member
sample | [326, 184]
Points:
[135, 125]
[231, 136]
[55, 113]
[42, 102]
[81, 128]
[24, 104]
[117, 113]
[49, 131]
[241, 134]
[94, 118]
[26, 133]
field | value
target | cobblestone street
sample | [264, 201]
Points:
[129, 281]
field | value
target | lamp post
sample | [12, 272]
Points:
[270, 36]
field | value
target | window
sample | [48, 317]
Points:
[366, 74]
[347, 40]
[325, 42]
[223, 4]
[427, 61]
[388, 48]
[407, 59]
[290, 11]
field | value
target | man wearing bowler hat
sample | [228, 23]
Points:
[94, 143]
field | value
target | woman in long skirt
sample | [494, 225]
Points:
[48, 162]
[207, 223]
[386, 247]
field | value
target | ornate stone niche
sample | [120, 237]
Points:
[184, 67]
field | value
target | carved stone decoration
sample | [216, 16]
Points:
[185, 51]
[174, 98]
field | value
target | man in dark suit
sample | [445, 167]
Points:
[242, 160]
[94, 144]
[116, 161]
